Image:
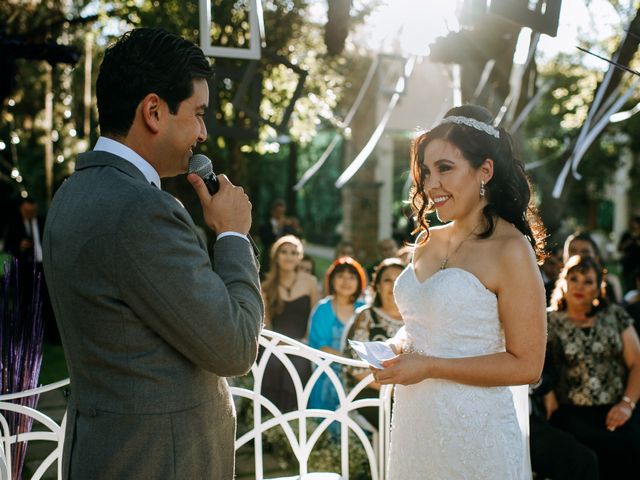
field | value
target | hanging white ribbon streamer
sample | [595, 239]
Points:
[363, 90]
[456, 80]
[528, 107]
[375, 137]
[600, 125]
[371, 144]
[553, 156]
[622, 116]
[344, 124]
[596, 102]
[586, 133]
[316, 166]
[562, 178]
[581, 148]
[515, 88]
[484, 78]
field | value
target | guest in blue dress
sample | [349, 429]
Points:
[345, 281]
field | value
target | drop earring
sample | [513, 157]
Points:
[482, 190]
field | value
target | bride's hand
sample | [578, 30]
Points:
[397, 345]
[404, 369]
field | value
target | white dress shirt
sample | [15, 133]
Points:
[109, 145]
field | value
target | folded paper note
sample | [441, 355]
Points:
[372, 352]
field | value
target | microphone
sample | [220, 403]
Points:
[202, 166]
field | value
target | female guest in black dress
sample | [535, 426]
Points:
[289, 295]
[595, 356]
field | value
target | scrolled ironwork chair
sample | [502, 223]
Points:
[45, 429]
[303, 426]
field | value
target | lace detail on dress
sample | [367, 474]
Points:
[441, 429]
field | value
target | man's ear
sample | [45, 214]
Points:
[150, 110]
[486, 170]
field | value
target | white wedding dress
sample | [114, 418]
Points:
[442, 430]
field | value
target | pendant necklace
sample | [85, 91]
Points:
[290, 287]
[447, 256]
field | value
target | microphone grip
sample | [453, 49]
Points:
[211, 181]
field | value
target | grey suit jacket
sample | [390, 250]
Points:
[148, 328]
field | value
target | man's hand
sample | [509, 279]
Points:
[229, 210]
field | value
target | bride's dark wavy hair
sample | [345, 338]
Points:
[508, 193]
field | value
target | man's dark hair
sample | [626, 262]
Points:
[143, 61]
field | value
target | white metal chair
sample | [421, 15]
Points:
[47, 429]
[4, 471]
[301, 442]
[310, 424]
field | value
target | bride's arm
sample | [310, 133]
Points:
[521, 306]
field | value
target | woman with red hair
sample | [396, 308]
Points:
[345, 281]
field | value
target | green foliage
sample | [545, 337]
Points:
[554, 124]
[22, 119]
[260, 164]
[54, 365]
[319, 202]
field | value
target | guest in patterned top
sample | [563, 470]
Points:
[372, 323]
[595, 353]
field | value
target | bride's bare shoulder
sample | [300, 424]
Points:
[511, 244]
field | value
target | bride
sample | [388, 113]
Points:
[473, 304]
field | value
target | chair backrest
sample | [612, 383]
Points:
[303, 426]
[45, 429]
[4, 470]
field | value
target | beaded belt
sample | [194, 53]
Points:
[409, 347]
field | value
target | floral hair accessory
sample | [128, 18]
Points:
[473, 123]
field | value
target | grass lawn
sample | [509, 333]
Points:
[54, 365]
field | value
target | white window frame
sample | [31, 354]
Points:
[256, 23]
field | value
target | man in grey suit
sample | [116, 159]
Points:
[149, 329]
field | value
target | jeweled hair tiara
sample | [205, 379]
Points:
[473, 123]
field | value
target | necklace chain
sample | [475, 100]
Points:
[447, 256]
[290, 287]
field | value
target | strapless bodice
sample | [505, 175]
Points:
[451, 314]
